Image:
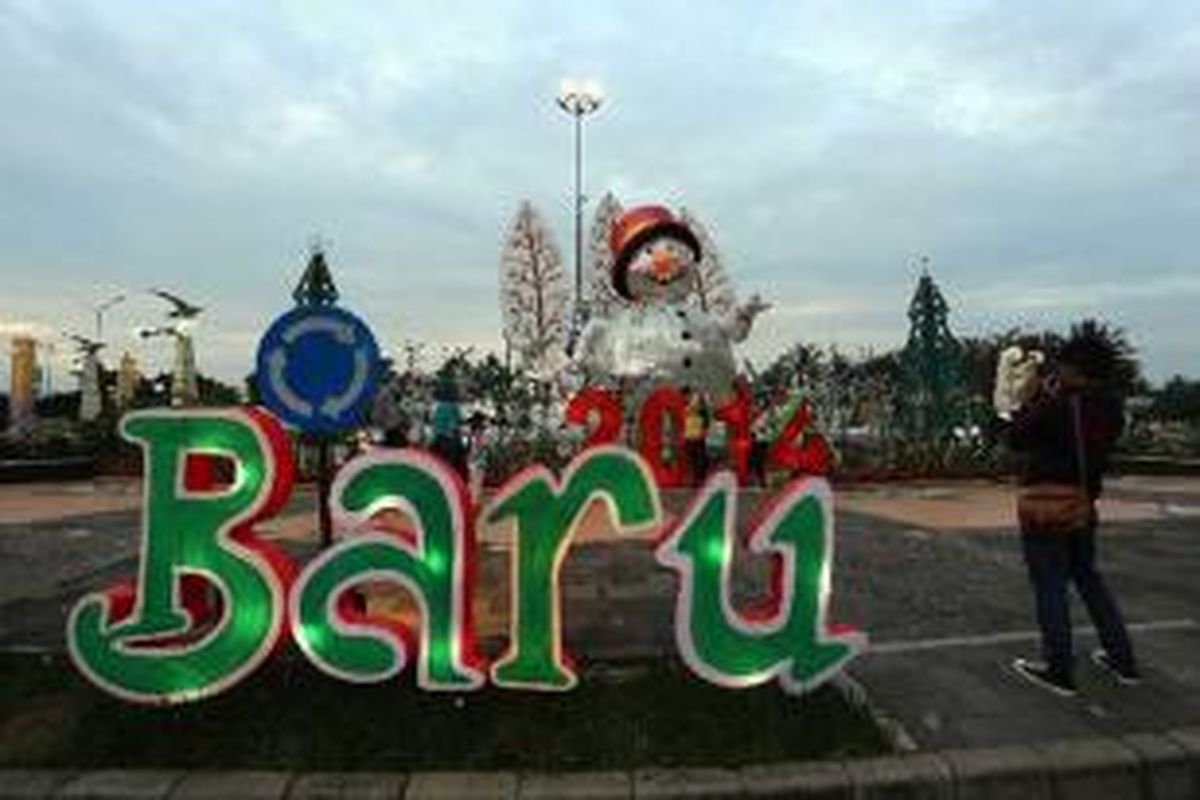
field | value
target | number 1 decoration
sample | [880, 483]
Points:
[142, 644]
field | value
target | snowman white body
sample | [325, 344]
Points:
[666, 343]
[661, 336]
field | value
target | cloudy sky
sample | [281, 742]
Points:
[1045, 156]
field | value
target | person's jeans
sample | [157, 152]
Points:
[1056, 560]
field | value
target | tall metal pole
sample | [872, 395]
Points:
[324, 482]
[578, 207]
[579, 99]
[100, 309]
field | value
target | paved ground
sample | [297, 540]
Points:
[931, 571]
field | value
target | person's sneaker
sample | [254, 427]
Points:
[1125, 677]
[1042, 676]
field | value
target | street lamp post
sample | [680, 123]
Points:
[579, 98]
[100, 309]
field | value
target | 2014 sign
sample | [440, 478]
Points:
[795, 449]
[143, 643]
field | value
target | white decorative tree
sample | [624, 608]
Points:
[601, 295]
[533, 294]
[714, 290]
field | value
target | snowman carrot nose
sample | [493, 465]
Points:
[663, 266]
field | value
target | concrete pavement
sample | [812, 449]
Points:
[925, 569]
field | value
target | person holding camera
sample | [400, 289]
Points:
[1066, 425]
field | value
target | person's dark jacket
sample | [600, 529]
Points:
[1044, 432]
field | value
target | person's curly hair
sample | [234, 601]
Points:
[1101, 353]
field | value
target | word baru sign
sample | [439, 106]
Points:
[148, 641]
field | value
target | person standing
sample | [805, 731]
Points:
[760, 444]
[1066, 427]
[447, 428]
[480, 439]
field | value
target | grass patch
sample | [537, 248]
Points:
[289, 715]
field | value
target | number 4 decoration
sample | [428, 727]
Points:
[812, 456]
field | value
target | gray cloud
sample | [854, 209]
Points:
[1043, 156]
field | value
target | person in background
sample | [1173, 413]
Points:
[695, 436]
[447, 427]
[480, 436]
[395, 431]
[760, 443]
[388, 415]
[1066, 426]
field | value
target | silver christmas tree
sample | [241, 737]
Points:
[533, 294]
[714, 290]
[602, 298]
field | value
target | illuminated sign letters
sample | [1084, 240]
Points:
[212, 600]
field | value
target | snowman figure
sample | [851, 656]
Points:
[661, 335]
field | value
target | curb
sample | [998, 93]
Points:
[1144, 765]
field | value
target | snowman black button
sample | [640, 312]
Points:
[686, 335]
[687, 363]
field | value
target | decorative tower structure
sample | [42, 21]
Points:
[91, 396]
[184, 388]
[23, 379]
[127, 380]
[181, 317]
[316, 286]
[932, 364]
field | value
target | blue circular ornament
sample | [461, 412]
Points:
[318, 369]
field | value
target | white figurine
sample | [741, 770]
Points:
[660, 336]
[1016, 371]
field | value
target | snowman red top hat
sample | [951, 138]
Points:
[637, 226]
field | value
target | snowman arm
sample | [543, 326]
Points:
[738, 324]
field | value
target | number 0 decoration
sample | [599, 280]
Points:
[145, 642]
[664, 406]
